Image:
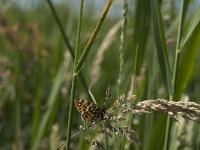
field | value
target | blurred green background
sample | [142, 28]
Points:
[36, 69]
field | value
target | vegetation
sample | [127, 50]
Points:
[142, 66]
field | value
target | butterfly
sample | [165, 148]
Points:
[90, 112]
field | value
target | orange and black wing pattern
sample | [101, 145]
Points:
[90, 112]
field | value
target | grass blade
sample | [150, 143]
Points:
[141, 30]
[74, 77]
[51, 102]
[93, 37]
[66, 40]
[161, 46]
[189, 48]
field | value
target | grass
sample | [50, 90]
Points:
[153, 53]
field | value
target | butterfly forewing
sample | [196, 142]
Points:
[89, 111]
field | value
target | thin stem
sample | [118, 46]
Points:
[134, 69]
[178, 45]
[78, 66]
[74, 78]
[121, 51]
[92, 37]
[91, 95]
[92, 124]
[175, 68]
[122, 43]
[66, 39]
[107, 146]
[61, 28]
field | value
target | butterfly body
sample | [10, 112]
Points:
[90, 112]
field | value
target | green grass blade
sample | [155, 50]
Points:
[50, 103]
[72, 94]
[61, 28]
[78, 65]
[189, 48]
[183, 11]
[192, 27]
[163, 59]
[161, 46]
[37, 111]
[66, 39]
[141, 30]
[93, 37]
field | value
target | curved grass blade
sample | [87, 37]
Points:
[51, 103]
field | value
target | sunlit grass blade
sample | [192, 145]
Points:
[187, 62]
[194, 24]
[189, 48]
[182, 16]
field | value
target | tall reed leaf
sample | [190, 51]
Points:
[189, 48]
[182, 16]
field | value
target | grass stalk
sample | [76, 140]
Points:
[175, 68]
[167, 132]
[74, 77]
[107, 146]
[77, 67]
[162, 57]
[67, 42]
[66, 39]
[93, 37]
[177, 52]
[190, 45]
[121, 51]
[36, 118]
[161, 46]
[122, 43]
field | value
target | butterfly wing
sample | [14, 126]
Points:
[81, 105]
[89, 111]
